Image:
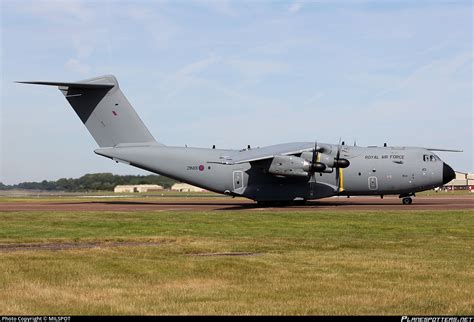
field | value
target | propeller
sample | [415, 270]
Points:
[340, 163]
[313, 160]
[315, 165]
[315, 155]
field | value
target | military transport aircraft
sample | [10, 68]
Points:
[282, 173]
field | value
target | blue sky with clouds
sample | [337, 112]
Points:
[237, 73]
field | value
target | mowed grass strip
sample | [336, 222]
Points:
[412, 262]
[31, 196]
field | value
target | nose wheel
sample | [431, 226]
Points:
[407, 201]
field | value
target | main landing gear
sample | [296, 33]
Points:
[406, 199]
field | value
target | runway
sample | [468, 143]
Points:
[225, 204]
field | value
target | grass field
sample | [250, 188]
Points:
[34, 196]
[243, 262]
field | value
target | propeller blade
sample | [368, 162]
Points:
[338, 154]
[313, 160]
[315, 151]
[339, 165]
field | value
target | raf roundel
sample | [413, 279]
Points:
[201, 168]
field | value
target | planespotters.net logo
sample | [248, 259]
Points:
[437, 319]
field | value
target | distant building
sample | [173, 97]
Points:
[462, 181]
[138, 188]
[184, 187]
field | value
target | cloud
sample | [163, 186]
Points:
[296, 6]
[76, 23]
[313, 99]
[434, 74]
[242, 70]
[223, 7]
[77, 66]
[187, 77]
[255, 70]
[57, 11]
[197, 66]
[158, 27]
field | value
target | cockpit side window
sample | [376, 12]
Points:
[430, 158]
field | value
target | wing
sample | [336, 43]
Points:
[268, 152]
[443, 150]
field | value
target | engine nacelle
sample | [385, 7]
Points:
[326, 159]
[290, 165]
[332, 162]
[287, 165]
[342, 163]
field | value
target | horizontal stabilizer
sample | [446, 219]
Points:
[79, 85]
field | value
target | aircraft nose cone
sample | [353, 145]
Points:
[448, 173]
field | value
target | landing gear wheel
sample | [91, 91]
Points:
[407, 201]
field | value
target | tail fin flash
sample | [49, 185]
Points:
[104, 110]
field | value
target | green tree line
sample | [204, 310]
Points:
[92, 182]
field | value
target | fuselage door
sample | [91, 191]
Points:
[238, 179]
[373, 183]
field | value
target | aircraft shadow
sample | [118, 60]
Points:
[243, 206]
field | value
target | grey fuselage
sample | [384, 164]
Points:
[283, 172]
[372, 171]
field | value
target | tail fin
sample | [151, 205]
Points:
[104, 110]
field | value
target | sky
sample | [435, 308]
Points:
[235, 73]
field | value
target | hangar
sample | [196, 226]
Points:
[462, 181]
[184, 187]
[138, 188]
